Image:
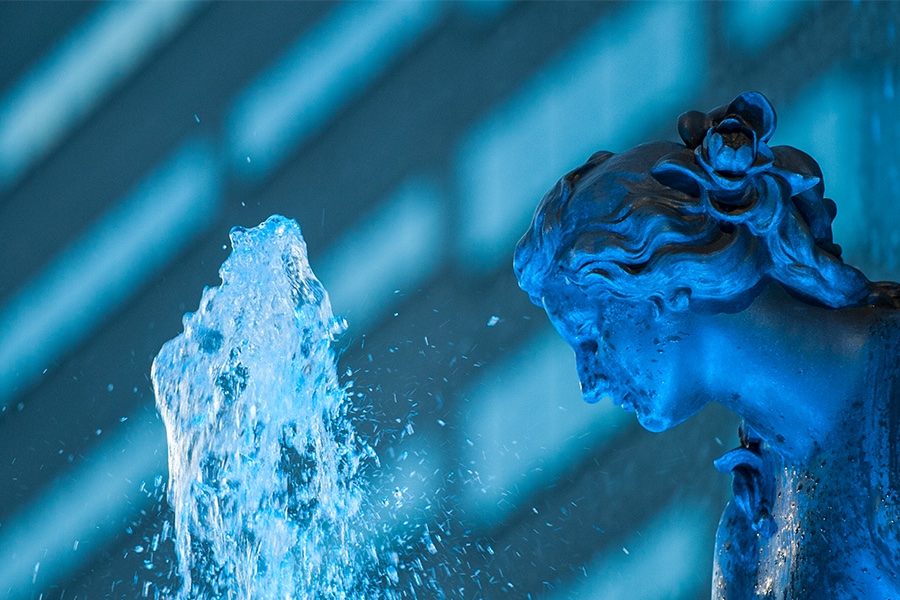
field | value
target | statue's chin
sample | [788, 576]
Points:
[653, 423]
[662, 422]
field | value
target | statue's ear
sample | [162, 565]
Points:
[679, 171]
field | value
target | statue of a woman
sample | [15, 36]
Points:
[706, 272]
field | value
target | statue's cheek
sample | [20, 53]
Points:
[594, 381]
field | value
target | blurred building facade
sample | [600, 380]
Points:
[412, 141]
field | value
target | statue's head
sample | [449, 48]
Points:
[624, 248]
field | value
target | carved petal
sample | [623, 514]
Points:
[798, 183]
[757, 111]
[692, 126]
[763, 162]
[679, 171]
[717, 114]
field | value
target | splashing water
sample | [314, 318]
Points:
[263, 462]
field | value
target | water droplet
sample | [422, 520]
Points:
[393, 575]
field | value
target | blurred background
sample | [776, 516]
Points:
[412, 142]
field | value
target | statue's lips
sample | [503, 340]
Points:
[625, 401]
[626, 404]
[595, 394]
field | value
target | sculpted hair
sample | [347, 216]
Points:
[675, 224]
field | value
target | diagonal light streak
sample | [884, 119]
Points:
[314, 79]
[395, 248]
[84, 67]
[597, 96]
[60, 530]
[89, 280]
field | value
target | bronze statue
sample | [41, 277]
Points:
[706, 272]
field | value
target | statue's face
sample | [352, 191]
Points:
[645, 364]
[773, 361]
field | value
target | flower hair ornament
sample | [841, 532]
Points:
[776, 193]
[728, 164]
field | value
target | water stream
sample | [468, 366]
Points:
[264, 465]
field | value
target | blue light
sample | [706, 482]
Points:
[754, 24]
[79, 72]
[667, 558]
[598, 96]
[527, 421]
[831, 109]
[94, 276]
[56, 533]
[395, 248]
[318, 75]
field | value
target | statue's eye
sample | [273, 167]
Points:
[589, 347]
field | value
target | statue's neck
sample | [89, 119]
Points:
[793, 371]
[834, 505]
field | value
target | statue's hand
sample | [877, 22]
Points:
[753, 485]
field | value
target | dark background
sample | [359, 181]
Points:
[412, 142]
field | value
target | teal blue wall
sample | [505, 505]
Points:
[412, 141]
